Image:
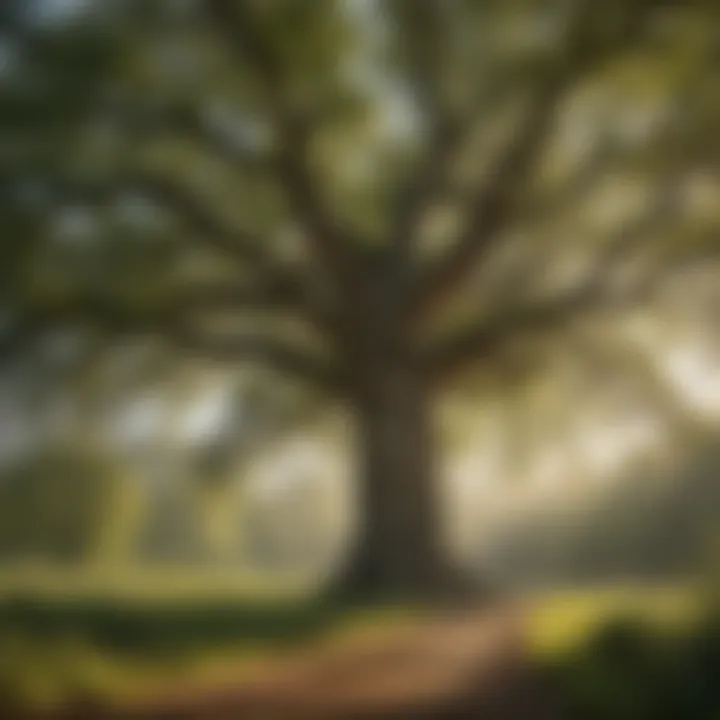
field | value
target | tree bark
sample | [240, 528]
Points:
[399, 553]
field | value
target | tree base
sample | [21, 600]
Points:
[444, 588]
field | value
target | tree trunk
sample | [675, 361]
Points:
[399, 551]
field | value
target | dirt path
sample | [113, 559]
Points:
[474, 665]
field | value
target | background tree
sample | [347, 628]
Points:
[370, 196]
[58, 506]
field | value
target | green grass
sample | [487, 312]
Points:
[145, 585]
[563, 621]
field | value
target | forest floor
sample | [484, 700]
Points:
[487, 664]
[461, 666]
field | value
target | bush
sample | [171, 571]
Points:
[629, 671]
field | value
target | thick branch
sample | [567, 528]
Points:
[448, 134]
[238, 23]
[274, 353]
[493, 204]
[596, 166]
[486, 339]
[431, 178]
[171, 323]
[274, 294]
[177, 199]
[491, 337]
[274, 282]
[594, 292]
[262, 296]
[186, 204]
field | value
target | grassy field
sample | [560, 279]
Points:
[131, 585]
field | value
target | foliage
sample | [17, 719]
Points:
[215, 142]
[629, 671]
[56, 505]
[636, 652]
[564, 621]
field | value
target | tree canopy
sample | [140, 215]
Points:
[157, 153]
